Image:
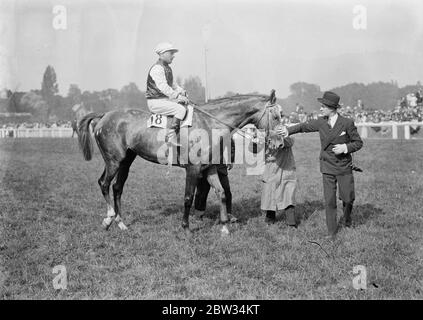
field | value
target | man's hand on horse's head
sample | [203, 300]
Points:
[282, 131]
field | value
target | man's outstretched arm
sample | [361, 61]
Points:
[310, 126]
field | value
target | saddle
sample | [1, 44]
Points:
[157, 120]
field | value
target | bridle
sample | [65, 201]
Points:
[246, 121]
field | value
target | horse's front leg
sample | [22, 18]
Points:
[190, 185]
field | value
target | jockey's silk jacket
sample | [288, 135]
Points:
[160, 84]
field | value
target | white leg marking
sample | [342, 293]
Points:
[107, 221]
[224, 230]
[110, 216]
[110, 212]
[122, 226]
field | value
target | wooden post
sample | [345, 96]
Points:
[364, 132]
[407, 132]
[394, 131]
[206, 82]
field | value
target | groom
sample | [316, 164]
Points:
[339, 138]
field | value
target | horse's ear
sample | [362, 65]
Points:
[272, 98]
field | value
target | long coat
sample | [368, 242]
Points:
[279, 177]
[344, 131]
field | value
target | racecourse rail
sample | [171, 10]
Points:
[67, 132]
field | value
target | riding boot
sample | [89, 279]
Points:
[172, 135]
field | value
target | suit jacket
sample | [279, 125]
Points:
[223, 168]
[344, 131]
[220, 168]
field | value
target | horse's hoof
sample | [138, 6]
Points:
[122, 226]
[224, 231]
[107, 222]
[188, 233]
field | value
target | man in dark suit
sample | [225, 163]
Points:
[339, 138]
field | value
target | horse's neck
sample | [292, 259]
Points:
[232, 116]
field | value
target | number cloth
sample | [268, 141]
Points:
[166, 107]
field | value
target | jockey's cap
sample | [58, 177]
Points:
[165, 46]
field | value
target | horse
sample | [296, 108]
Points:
[122, 135]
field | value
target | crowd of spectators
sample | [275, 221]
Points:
[37, 125]
[409, 108]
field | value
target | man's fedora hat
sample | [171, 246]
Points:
[330, 99]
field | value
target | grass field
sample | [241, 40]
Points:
[51, 212]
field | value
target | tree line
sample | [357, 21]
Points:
[45, 103]
[374, 96]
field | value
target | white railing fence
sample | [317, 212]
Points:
[363, 128]
[36, 133]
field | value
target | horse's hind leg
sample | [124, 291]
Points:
[191, 181]
[214, 181]
[122, 175]
[105, 180]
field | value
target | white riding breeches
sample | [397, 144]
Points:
[167, 107]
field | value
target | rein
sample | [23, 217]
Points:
[238, 128]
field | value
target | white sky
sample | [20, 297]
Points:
[252, 45]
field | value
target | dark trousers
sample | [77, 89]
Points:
[203, 188]
[346, 193]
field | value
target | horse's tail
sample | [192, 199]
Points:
[84, 136]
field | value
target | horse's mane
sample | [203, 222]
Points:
[232, 101]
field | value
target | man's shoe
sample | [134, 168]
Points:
[232, 219]
[330, 237]
[269, 220]
[348, 221]
[199, 214]
[345, 222]
[270, 217]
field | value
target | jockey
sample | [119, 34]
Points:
[163, 95]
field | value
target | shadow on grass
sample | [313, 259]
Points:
[246, 209]
[171, 209]
[360, 214]
[243, 210]
[304, 210]
[250, 208]
[364, 212]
